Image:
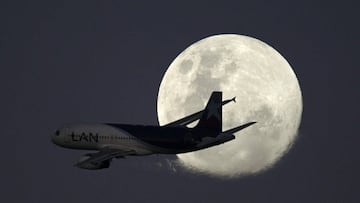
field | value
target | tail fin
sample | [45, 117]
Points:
[212, 116]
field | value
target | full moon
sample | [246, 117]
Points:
[266, 89]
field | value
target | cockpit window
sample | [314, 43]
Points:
[57, 133]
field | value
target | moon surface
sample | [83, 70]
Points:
[266, 89]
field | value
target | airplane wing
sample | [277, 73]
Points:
[104, 156]
[193, 117]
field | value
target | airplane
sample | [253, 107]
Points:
[113, 140]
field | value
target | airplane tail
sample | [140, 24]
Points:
[211, 119]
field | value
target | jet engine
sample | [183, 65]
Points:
[82, 163]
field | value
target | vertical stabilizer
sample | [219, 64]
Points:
[212, 116]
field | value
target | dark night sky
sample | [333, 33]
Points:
[102, 61]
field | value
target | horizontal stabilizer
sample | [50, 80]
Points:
[236, 129]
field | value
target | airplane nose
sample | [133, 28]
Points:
[55, 138]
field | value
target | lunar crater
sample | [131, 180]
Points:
[186, 66]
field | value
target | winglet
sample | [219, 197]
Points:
[233, 99]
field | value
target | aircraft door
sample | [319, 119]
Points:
[67, 135]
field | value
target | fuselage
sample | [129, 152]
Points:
[120, 140]
[141, 140]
